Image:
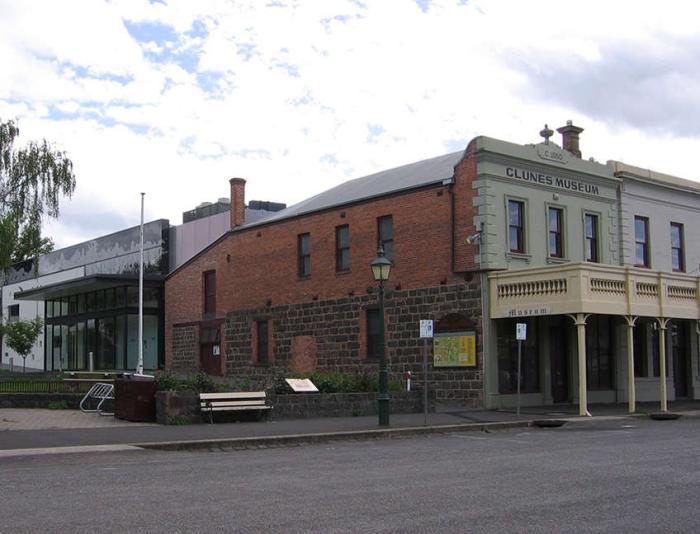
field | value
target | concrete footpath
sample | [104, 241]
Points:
[36, 431]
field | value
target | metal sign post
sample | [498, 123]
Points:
[520, 335]
[426, 332]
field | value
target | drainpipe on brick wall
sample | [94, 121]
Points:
[450, 190]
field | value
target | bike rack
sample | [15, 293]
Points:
[99, 392]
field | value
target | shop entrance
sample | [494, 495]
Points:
[558, 358]
[679, 349]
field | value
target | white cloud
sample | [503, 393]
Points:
[285, 96]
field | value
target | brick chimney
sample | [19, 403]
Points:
[237, 202]
[569, 138]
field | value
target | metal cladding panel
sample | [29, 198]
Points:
[116, 253]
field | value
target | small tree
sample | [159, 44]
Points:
[21, 336]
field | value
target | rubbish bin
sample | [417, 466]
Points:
[135, 398]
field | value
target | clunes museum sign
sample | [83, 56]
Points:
[554, 181]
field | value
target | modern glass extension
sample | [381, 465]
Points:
[104, 323]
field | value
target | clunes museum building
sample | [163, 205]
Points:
[599, 261]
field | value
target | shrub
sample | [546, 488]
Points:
[338, 382]
[199, 383]
[167, 381]
[58, 405]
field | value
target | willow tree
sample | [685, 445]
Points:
[33, 179]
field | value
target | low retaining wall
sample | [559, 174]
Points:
[310, 405]
[39, 400]
[182, 407]
[177, 408]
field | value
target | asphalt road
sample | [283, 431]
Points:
[619, 476]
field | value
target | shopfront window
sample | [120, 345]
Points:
[599, 351]
[96, 322]
[508, 357]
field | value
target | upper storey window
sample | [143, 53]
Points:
[385, 231]
[556, 235]
[591, 229]
[516, 226]
[210, 292]
[304, 255]
[677, 248]
[342, 248]
[641, 242]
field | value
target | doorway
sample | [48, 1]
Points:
[558, 358]
[679, 351]
[210, 351]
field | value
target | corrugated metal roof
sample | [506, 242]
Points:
[406, 177]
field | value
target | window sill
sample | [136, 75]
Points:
[556, 261]
[303, 278]
[344, 272]
[519, 256]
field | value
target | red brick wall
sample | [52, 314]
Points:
[257, 267]
[465, 174]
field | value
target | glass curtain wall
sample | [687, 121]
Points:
[104, 323]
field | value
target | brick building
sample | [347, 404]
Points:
[88, 295]
[597, 260]
[301, 280]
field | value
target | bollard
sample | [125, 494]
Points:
[91, 362]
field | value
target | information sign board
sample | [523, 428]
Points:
[301, 385]
[454, 349]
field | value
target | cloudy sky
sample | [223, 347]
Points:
[175, 97]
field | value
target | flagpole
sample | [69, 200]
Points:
[139, 365]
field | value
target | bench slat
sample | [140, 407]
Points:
[233, 395]
[227, 408]
[233, 403]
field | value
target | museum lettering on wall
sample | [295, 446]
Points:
[554, 181]
[528, 312]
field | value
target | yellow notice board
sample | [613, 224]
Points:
[454, 349]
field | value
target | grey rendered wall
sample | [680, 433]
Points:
[662, 205]
[506, 171]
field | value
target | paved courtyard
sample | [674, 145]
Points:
[40, 419]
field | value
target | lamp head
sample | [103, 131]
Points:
[381, 266]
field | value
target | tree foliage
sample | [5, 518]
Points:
[21, 335]
[33, 179]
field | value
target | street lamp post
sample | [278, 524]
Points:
[381, 267]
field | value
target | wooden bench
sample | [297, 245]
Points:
[230, 402]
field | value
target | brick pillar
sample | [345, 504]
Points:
[237, 201]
